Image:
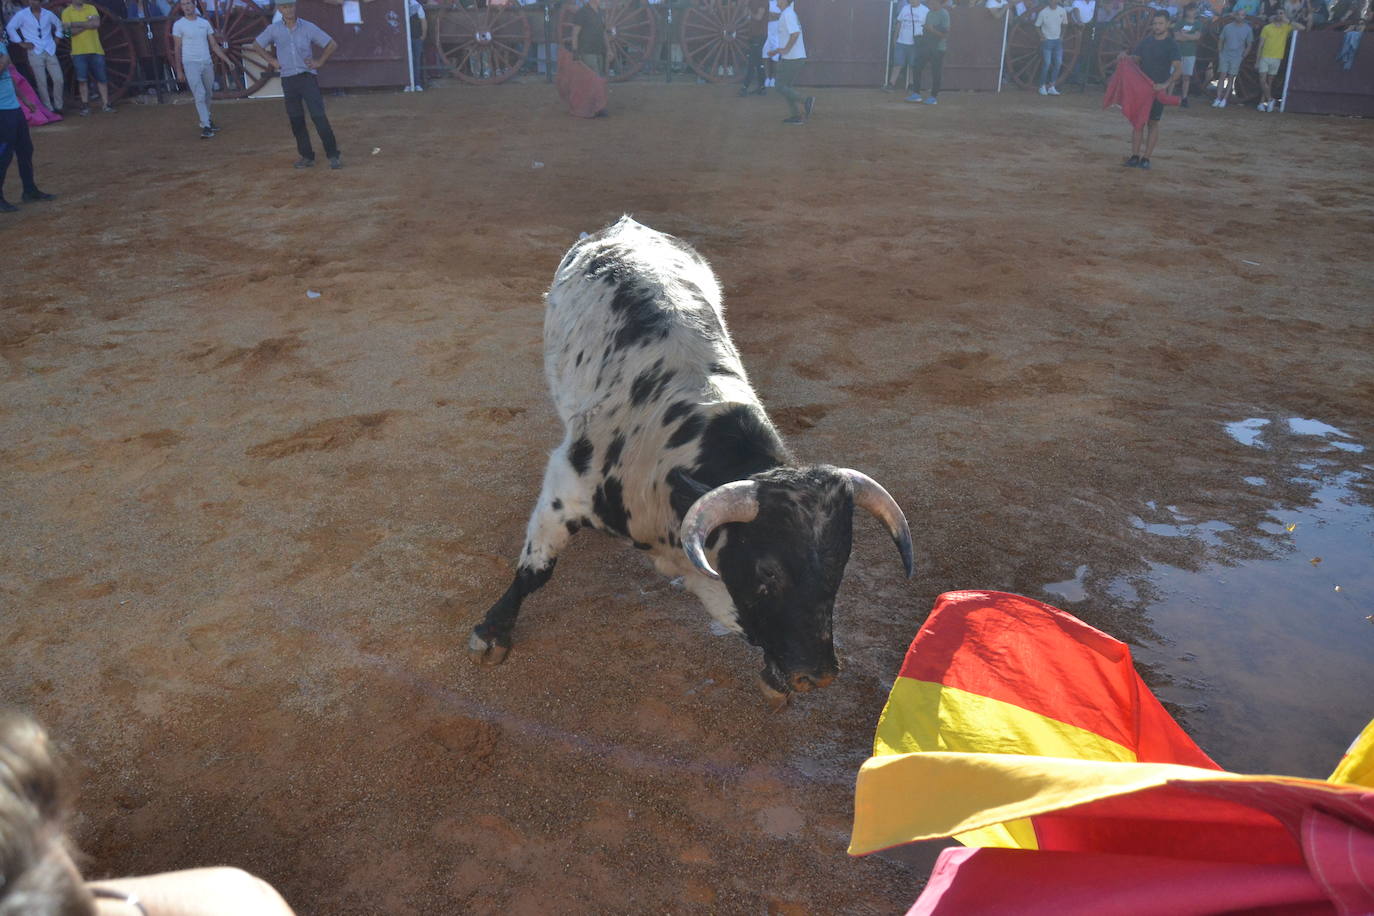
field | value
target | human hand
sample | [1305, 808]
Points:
[1159, 87]
[26, 45]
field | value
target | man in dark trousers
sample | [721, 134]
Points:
[14, 138]
[757, 31]
[293, 41]
[589, 37]
[1158, 55]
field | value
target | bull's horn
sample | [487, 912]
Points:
[870, 495]
[731, 502]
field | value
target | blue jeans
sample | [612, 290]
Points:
[417, 50]
[1051, 49]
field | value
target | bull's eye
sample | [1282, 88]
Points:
[769, 580]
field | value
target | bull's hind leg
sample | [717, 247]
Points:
[557, 515]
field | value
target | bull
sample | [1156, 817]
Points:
[667, 446]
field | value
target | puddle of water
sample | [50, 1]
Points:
[1266, 645]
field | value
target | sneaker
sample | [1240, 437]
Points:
[1223, 103]
[931, 101]
[84, 112]
[408, 89]
[915, 97]
[419, 88]
[888, 88]
[335, 162]
[36, 195]
[810, 105]
[108, 109]
[1183, 102]
[794, 121]
[304, 163]
[1132, 163]
[1274, 105]
[1044, 91]
[1052, 91]
[1144, 162]
[207, 133]
[1262, 106]
[1216, 103]
[6, 206]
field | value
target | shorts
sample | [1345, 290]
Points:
[94, 63]
[904, 55]
[1156, 110]
[1188, 64]
[1268, 65]
[1229, 64]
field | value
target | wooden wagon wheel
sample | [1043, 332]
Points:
[236, 27]
[1023, 61]
[1122, 33]
[630, 30]
[485, 44]
[714, 39]
[121, 59]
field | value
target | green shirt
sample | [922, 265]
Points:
[1187, 35]
[938, 19]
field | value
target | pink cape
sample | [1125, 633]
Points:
[581, 90]
[35, 112]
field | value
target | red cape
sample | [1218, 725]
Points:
[580, 89]
[1134, 92]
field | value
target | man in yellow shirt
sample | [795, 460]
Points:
[88, 54]
[1273, 44]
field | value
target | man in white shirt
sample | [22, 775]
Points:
[193, 43]
[791, 55]
[911, 22]
[36, 30]
[1051, 21]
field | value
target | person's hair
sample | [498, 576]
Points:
[36, 876]
[1159, 13]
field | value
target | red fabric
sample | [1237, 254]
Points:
[967, 882]
[580, 89]
[996, 645]
[1134, 92]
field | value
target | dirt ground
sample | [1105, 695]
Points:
[246, 531]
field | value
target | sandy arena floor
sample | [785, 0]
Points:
[246, 532]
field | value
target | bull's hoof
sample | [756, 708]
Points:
[487, 652]
[776, 699]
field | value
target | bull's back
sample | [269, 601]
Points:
[622, 301]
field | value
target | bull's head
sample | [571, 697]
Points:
[783, 559]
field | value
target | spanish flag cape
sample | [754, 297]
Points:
[1028, 736]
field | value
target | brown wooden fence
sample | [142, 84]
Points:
[1318, 84]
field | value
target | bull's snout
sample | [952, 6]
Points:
[802, 682]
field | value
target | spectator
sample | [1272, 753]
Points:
[1319, 14]
[1232, 45]
[1051, 21]
[14, 141]
[419, 30]
[1084, 12]
[39, 876]
[758, 33]
[911, 22]
[1157, 54]
[1187, 33]
[293, 41]
[88, 54]
[1247, 7]
[771, 44]
[192, 46]
[791, 56]
[1273, 45]
[930, 49]
[589, 37]
[37, 30]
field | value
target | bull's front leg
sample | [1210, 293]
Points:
[557, 514]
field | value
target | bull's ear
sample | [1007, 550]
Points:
[686, 490]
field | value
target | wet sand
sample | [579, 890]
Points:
[247, 531]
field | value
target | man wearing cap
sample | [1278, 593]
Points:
[293, 41]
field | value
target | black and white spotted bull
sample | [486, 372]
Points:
[667, 446]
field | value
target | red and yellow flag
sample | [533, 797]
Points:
[1013, 724]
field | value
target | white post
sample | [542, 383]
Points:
[410, 46]
[891, 15]
[1002, 61]
[1288, 71]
